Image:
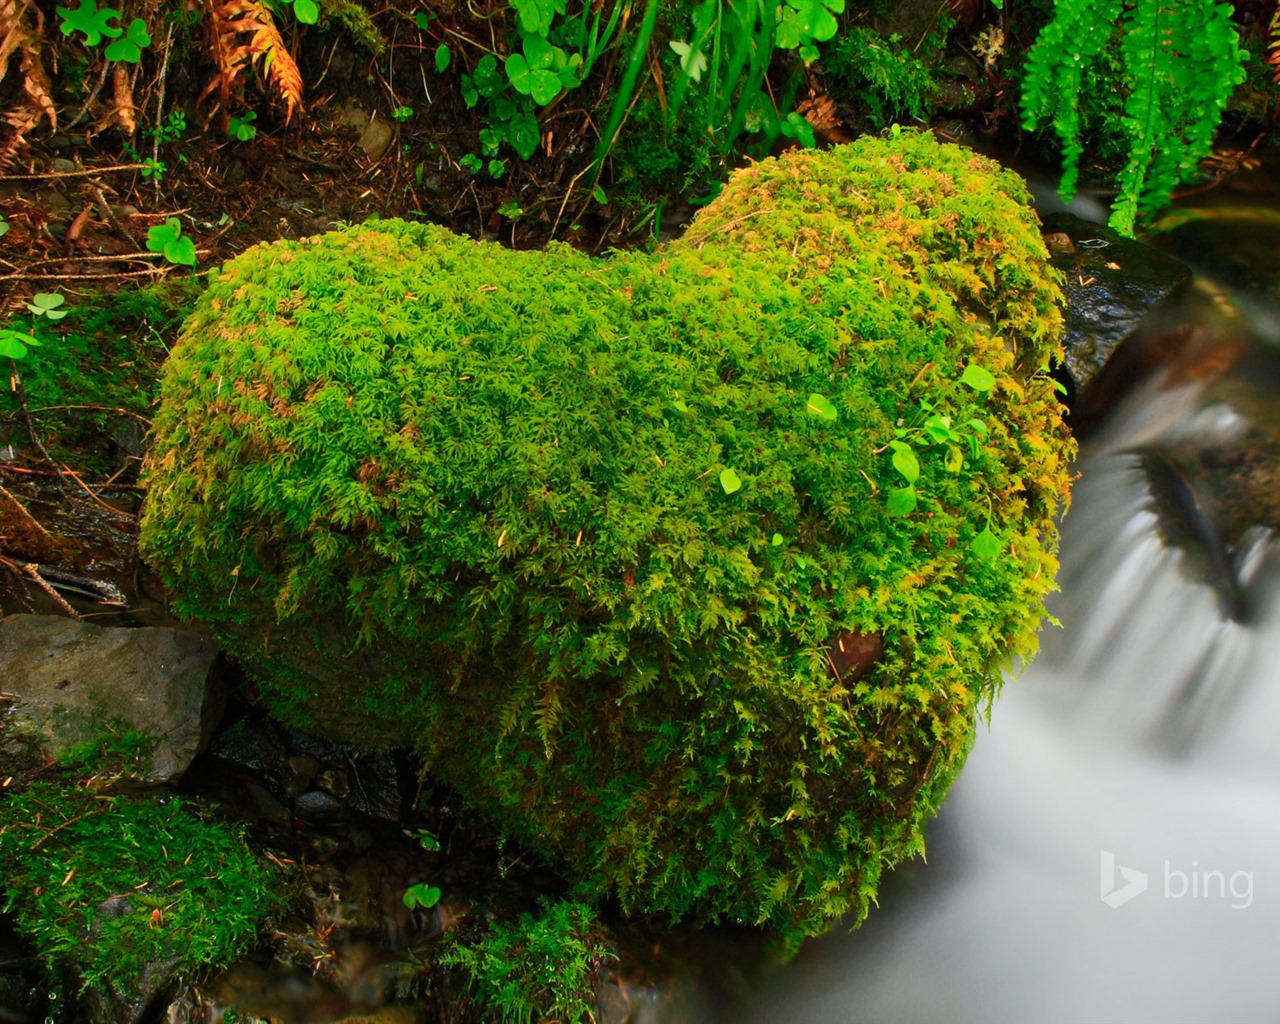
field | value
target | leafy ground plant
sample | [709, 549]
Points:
[539, 968]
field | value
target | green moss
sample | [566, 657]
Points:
[437, 494]
[537, 968]
[112, 885]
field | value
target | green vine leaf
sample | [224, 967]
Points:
[901, 501]
[730, 481]
[90, 21]
[985, 546]
[820, 406]
[421, 895]
[905, 461]
[978, 378]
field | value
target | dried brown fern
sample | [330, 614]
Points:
[1273, 43]
[242, 33]
[18, 36]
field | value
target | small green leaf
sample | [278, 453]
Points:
[985, 546]
[977, 426]
[599, 195]
[421, 895]
[777, 540]
[443, 56]
[820, 405]
[978, 378]
[306, 11]
[423, 20]
[4, 227]
[800, 562]
[904, 461]
[428, 841]
[729, 481]
[955, 459]
[901, 501]
[679, 405]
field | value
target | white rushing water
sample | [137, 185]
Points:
[1112, 850]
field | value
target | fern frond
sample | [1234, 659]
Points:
[1066, 49]
[17, 36]
[1181, 60]
[230, 22]
[1273, 44]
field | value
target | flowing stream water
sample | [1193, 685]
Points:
[1112, 850]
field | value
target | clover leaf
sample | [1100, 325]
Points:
[530, 73]
[129, 48]
[13, 344]
[523, 133]
[89, 20]
[46, 304]
[167, 239]
[692, 62]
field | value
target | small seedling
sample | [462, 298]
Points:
[421, 895]
[471, 163]
[168, 240]
[402, 114]
[46, 304]
[154, 169]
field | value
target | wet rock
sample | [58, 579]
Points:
[319, 808]
[72, 682]
[302, 771]
[254, 748]
[124, 210]
[62, 166]
[1112, 282]
[335, 782]
[376, 138]
[266, 806]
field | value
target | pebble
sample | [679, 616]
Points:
[62, 165]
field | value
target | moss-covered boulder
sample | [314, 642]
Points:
[691, 568]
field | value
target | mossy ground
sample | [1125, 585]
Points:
[475, 501]
[110, 886]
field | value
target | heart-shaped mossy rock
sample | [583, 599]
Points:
[613, 543]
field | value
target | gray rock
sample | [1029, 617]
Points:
[62, 165]
[1112, 282]
[69, 683]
